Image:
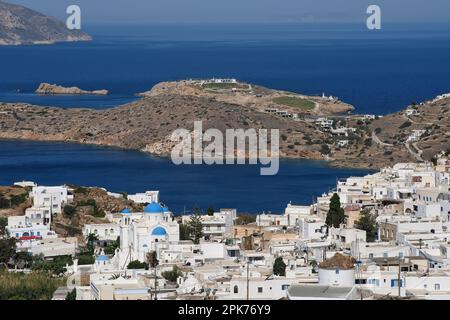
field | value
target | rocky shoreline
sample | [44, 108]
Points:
[22, 26]
[53, 89]
[148, 123]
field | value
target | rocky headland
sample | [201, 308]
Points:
[53, 89]
[20, 25]
[147, 124]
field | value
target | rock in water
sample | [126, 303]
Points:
[46, 88]
[20, 25]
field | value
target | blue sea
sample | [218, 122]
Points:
[182, 187]
[376, 71]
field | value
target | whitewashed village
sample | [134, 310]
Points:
[382, 236]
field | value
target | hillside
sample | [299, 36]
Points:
[148, 123]
[20, 25]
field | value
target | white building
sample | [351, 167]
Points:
[53, 198]
[23, 228]
[145, 198]
[107, 231]
[217, 225]
[142, 232]
[312, 229]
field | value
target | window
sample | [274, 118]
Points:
[437, 286]
[337, 271]
[394, 283]
[385, 254]
[375, 282]
[260, 290]
[400, 254]
[370, 255]
[236, 289]
[284, 287]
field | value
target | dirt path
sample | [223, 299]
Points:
[417, 155]
[378, 141]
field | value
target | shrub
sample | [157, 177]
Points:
[81, 190]
[136, 264]
[18, 199]
[86, 259]
[172, 275]
[30, 286]
[405, 124]
[244, 219]
[69, 211]
[325, 149]
[72, 295]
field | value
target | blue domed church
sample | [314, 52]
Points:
[142, 232]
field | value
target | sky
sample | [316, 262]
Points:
[242, 11]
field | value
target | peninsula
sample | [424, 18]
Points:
[53, 89]
[20, 25]
[310, 127]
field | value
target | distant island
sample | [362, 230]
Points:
[53, 89]
[311, 127]
[20, 25]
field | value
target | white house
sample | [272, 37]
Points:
[147, 197]
[51, 197]
[107, 231]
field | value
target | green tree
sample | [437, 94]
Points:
[185, 232]
[111, 248]
[368, 222]
[7, 250]
[210, 211]
[56, 266]
[196, 226]
[279, 267]
[72, 295]
[244, 219]
[85, 259]
[172, 275]
[23, 259]
[336, 214]
[152, 259]
[3, 224]
[69, 211]
[136, 264]
[325, 149]
[90, 239]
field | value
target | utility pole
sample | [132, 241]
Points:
[398, 279]
[156, 285]
[248, 280]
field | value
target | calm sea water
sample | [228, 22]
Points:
[181, 187]
[378, 72]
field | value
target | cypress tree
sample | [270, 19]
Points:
[335, 214]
